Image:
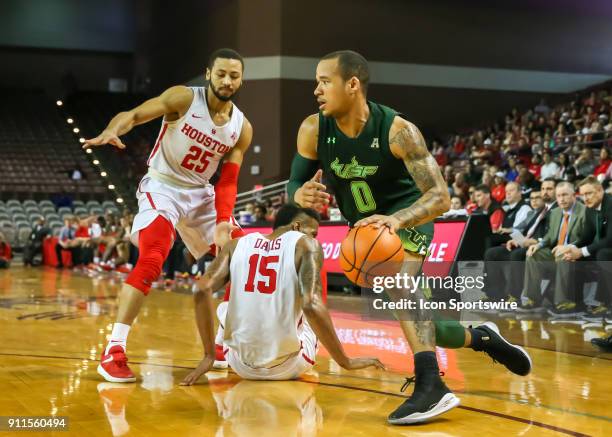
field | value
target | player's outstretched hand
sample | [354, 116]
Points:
[380, 220]
[312, 194]
[361, 363]
[204, 366]
[105, 137]
[223, 234]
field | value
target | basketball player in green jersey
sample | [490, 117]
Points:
[381, 172]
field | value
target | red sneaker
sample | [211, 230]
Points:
[113, 366]
[220, 361]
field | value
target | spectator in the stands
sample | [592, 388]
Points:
[487, 206]
[585, 164]
[566, 172]
[536, 166]
[449, 177]
[568, 226]
[5, 252]
[34, 245]
[498, 191]
[526, 181]
[76, 174]
[549, 167]
[458, 151]
[456, 208]
[260, 216]
[512, 172]
[460, 186]
[67, 241]
[515, 208]
[471, 205]
[487, 179]
[604, 162]
[599, 207]
[439, 153]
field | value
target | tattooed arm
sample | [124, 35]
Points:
[407, 143]
[309, 259]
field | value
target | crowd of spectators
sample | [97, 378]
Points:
[567, 142]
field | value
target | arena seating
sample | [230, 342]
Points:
[39, 151]
[17, 217]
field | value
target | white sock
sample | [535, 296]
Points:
[118, 336]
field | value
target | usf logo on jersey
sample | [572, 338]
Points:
[353, 169]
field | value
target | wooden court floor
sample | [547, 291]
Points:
[53, 325]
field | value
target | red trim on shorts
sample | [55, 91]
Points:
[308, 360]
[151, 200]
[225, 352]
[158, 143]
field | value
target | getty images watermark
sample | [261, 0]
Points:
[410, 284]
[454, 291]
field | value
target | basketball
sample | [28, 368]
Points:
[367, 252]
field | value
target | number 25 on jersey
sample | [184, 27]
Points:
[195, 154]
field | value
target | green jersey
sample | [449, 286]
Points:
[365, 176]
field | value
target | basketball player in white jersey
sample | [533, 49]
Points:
[200, 128]
[275, 282]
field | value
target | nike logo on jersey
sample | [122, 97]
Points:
[353, 169]
[197, 116]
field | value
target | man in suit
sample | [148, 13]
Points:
[34, 245]
[599, 207]
[534, 226]
[568, 225]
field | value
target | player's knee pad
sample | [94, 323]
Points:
[155, 241]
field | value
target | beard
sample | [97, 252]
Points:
[219, 96]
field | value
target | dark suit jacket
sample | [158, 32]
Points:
[581, 230]
[605, 232]
[39, 233]
[531, 218]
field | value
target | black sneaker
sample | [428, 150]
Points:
[515, 358]
[605, 344]
[427, 401]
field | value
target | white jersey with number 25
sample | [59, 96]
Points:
[188, 150]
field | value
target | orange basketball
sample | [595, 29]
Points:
[367, 252]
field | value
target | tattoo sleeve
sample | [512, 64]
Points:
[426, 174]
[309, 274]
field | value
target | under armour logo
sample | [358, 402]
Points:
[214, 131]
[233, 137]
[374, 144]
[331, 140]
